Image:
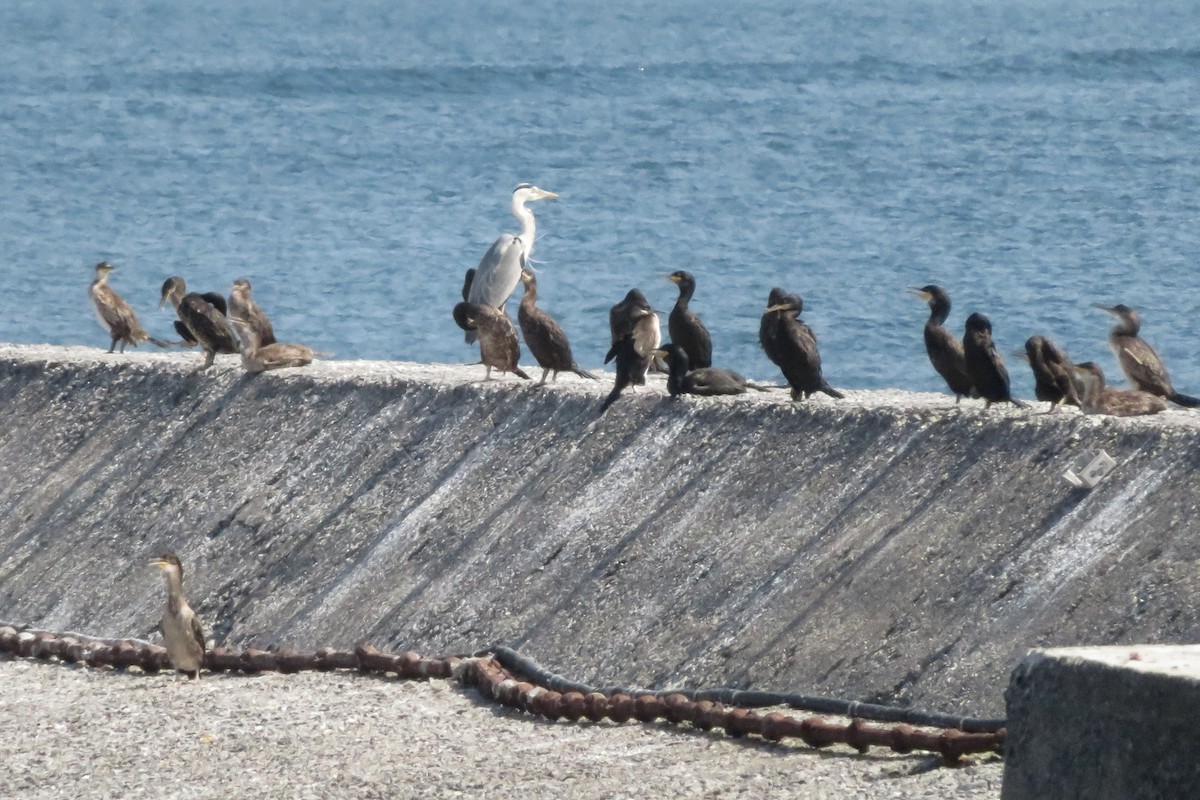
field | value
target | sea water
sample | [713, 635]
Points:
[353, 157]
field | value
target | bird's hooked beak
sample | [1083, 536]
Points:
[780, 307]
[673, 278]
[1110, 309]
[660, 353]
[526, 275]
[159, 563]
[921, 293]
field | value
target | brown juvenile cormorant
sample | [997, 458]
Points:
[707, 381]
[984, 365]
[944, 348]
[249, 315]
[633, 317]
[203, 319]
[498, 346]
[1097, 398]
[1053, 376]
[543, 335]
[499, 270]
[115, 315]
[630, 368]
[792, 345]
[1139, 361]
[684, 325]
[276, 355]
[181, 629]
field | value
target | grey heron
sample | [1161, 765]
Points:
[499, 270]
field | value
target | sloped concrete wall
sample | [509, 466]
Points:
[891, 547]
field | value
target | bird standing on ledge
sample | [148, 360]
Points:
[498, 345]
[544, 336]
[202, 318]
[944, 349]
[250, 315]
[499, 270]
[684, 325]
[115, 315]
[1139, 361]
[181, 628]
[984, 365]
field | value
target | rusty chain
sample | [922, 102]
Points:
[497, 682]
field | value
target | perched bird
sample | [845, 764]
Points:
[181, 628]
[792, 345]
[203, 320]
[1097, 398]
[631, 368]
[944, 348]
[707, 381]
[250, 315]
[684, 325]
[276, 355]
[498, 346]
[499, 270]
[1053, 376]
[1139, 361]
[633, 317]
[984, 365]
[543, 335]
[115, 314]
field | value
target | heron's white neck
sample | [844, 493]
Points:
[528, 224]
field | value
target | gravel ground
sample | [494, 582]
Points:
[75, 732]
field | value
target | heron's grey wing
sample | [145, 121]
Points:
[499, 272]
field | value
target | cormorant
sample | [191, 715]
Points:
[1097, 398]
[631, 368]
[1053, 376]
[115, 315]
[944, 348]
[249, 315]
[203, 319]
[792, 345]
[984, 365]
[498, 346]
[634, 317]
[543, 335]
[181, 628]
[707, 381]
[684, 325]
[1139, 361]
[276, 355]
[499, 270]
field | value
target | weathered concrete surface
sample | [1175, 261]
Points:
[1104, 724]
[890, 547]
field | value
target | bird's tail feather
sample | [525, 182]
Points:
[583, 373]
[470, 337]
[832, 392]
[757, 388]
[1018, 403]
[608, 401]
[521, 373]
[1185, 400]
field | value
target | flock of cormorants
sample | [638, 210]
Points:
[970, 364]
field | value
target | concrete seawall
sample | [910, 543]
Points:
[890, 547]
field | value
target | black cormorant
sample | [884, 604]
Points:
[498, 346]
[944, 348]
[1097, 398]
[1053, 376]
[984, 365]
[634, 317]
[243, 308]
[792, 345]
[203, 318]
[181, 629]
[707, 381]
[544, 336]
[684, 325]
[1139, 361]
[115, 315]
[276, 355]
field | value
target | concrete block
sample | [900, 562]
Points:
[1104, 722]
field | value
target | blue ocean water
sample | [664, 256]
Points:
[354, 157]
